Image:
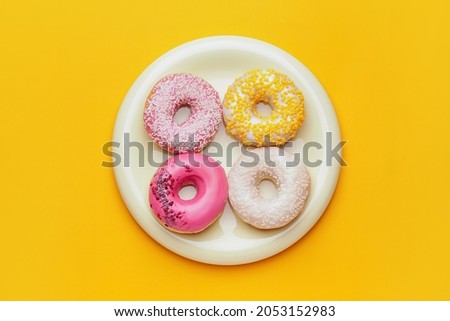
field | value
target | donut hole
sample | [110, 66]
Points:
[187, 192]
[182, 114]
[263, 109]
[267, 189]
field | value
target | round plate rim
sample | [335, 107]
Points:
[212, 44]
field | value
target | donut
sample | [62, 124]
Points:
[246, 124]
[167, 96]
[188, 216]
[292, 183]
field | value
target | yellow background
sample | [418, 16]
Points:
[64, 70]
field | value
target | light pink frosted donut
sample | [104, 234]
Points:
[291, 180]
[167, 96]
[188, 216]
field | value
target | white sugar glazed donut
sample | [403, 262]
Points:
[291, 180]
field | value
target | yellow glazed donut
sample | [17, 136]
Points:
[245, 123]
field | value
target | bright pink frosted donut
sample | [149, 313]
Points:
[166, 97]
[188, 216]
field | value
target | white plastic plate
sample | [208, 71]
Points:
[219, 60]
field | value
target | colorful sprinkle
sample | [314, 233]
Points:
[167, 96]
[270, 87]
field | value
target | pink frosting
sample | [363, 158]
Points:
[188, 216]
[166, 97]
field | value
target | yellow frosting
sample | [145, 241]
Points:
[263, 86]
